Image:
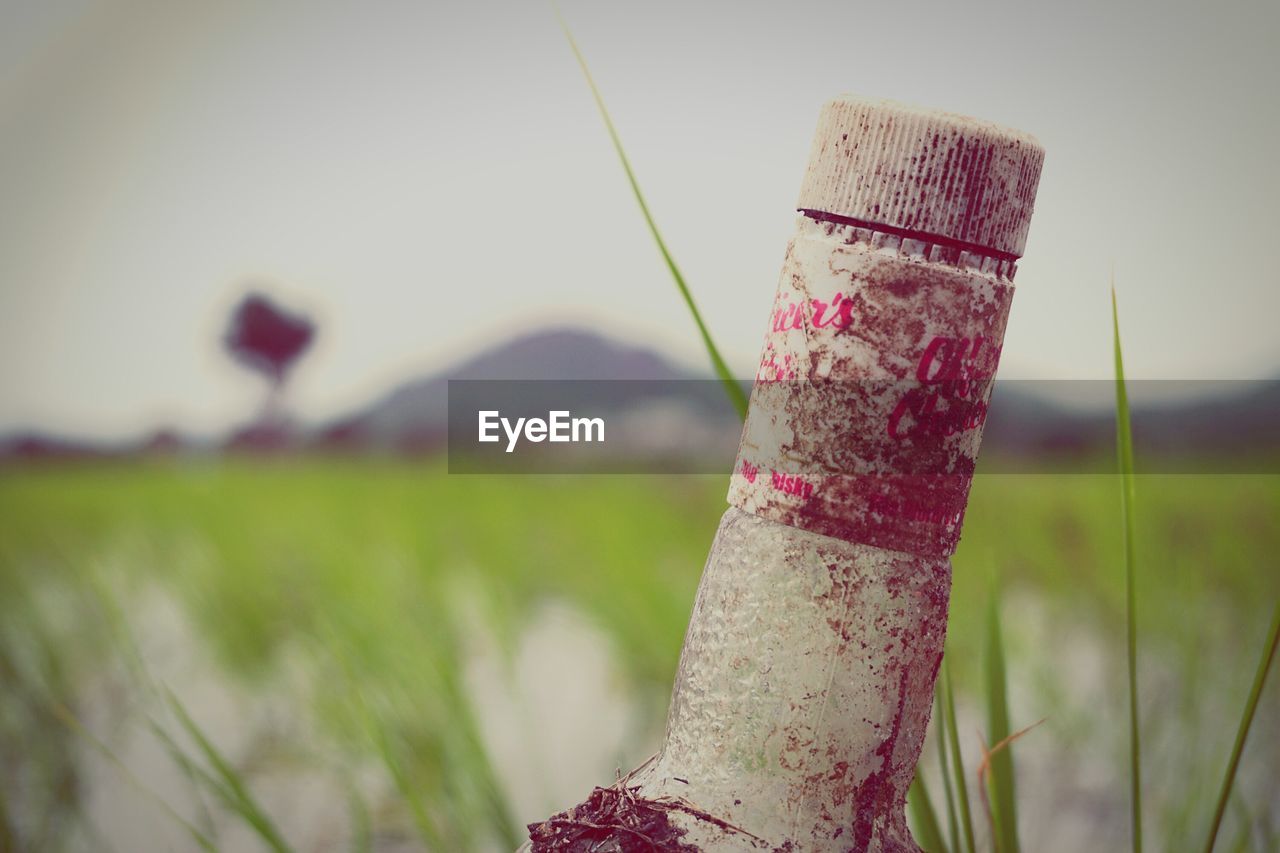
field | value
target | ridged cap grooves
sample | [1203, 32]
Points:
[923, 171]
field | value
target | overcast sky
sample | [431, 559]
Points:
[428, 178]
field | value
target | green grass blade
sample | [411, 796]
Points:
[8, 838]
[361, 822]
[928, 833]
[1245, 819]
[427, 829]
[1124, 448]
[948, 788]
[1003, 785]
[69, 720]
[957, 760]
[196, 774]
[731, 386]
[231, 786]
[1250, 708]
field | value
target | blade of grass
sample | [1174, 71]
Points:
[69, 720]
[1245, 820]
[929, 835]
[361, 822]
[196, 774]
[8, 842]
[107, 603]
[427, 828]
[989, 754]
[376, 732]
[1004, 806]
[957, 760]
[1124, 448]
[736, 395]
[232, 786]
[1246, 721]
[985, 776]
[953, 826]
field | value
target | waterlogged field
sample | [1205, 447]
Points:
[325, 655]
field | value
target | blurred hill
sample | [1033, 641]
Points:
[414, 416]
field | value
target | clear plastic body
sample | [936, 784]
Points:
[804, 691]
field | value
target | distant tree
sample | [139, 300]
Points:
[265, 337]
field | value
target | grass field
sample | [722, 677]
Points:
[342, 600]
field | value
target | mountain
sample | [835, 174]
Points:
[415, 415]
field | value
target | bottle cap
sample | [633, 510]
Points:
[930, 175]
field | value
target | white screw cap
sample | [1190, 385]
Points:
[938, 175]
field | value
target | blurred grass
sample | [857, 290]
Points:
[1000, 785]
[363, 567]
[924, 817]
[360, 566]
[1242, 733]
[953, 769]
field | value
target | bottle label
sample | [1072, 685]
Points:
[872, 390]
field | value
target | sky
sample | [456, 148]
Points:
[427, 179]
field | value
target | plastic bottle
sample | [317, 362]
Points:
[806, 679]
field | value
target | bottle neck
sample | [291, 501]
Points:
[804, 690]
